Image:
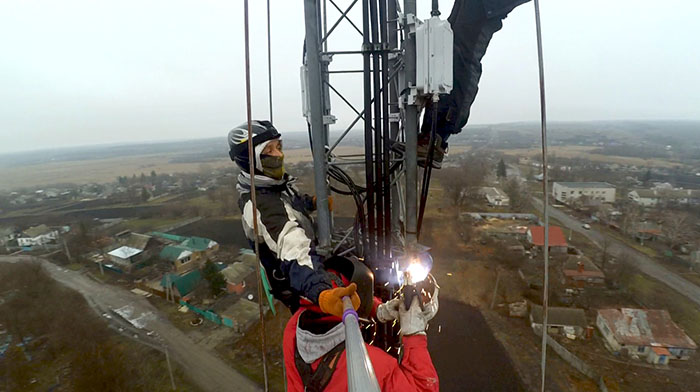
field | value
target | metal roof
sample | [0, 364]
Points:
[556, 236]
[125, 252]
[585, 184]
[641, 327]
[560, 316]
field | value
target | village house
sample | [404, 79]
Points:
[557, 240]
[580, 272]
[495, 197]
[148, 245]
[569, 322]
[656, 195]
[181, 285]
[184, 259]
[186, 253]
[37, 236]
[240, 274]
[641, 333]
[125, 257]
[567, 192]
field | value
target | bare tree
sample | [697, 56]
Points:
[675, 227]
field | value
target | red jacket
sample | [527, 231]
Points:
[414, 373]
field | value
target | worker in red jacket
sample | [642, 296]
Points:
[314, 342]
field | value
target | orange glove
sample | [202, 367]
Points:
[330, 203]
[331, 300]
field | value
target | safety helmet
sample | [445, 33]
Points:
[263, 131]
[354, 271]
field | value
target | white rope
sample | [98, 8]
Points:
[253, 199]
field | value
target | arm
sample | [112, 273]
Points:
[280, 231]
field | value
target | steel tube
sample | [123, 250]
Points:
[369, 172]
[316, 102]
[411, 129]
[361, 376]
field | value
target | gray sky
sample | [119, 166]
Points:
[85, 72]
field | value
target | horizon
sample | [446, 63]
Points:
[465, 131]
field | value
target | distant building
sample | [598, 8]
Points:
[640, 333]
[570, 322]
[186, 253]
[184, 259]
[126, 256]
[580, 272]
[145, 243]
[557, 240]
[240, 274]
[652, 197]
[495, 197]
[37, 235]
[182, 284]
[567, 192]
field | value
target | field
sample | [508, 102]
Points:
[583, 153]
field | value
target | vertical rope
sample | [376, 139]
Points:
[269, 62]
[253, 198]
[545, 178]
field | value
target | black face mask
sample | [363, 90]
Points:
[273, 166]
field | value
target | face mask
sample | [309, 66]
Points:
[273, 166]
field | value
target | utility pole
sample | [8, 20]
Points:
[170, 369]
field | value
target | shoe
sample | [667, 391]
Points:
[438, 152]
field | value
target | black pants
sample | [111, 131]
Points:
[473, 23]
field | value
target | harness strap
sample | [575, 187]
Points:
[316, 381]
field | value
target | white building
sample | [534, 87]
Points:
[495, 196]
[652, 197]
[567, 192]
[125, 256]
[37, 235]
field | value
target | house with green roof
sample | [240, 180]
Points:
[184, 259]
[182, 284]
[186, 253]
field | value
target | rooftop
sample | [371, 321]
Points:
[36, 231]
[125, 252]
[641, 327]
[585, 184]
[174, 252]
[581, 266]
[556, 236]
[560, 316]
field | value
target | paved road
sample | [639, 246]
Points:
[201, 366]
[621, 250]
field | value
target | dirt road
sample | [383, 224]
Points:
[621, 250]
[201, 366]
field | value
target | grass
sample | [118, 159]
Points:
[653, 294]
[147, 224]
[584, 152]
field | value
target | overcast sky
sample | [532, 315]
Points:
[86, 72]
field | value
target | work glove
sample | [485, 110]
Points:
[414, 320]
[331, 301]
[388, 311]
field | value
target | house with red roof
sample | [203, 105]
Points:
[557, 240]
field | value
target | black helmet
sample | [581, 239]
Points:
[357, 273]
[263, 131]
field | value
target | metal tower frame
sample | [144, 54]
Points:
[388, 54]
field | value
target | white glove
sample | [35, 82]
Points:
[414, 320]
[388, 311]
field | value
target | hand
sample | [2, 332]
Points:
[331, 300]
[414, 320]
[330, 203]
[388, 311]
